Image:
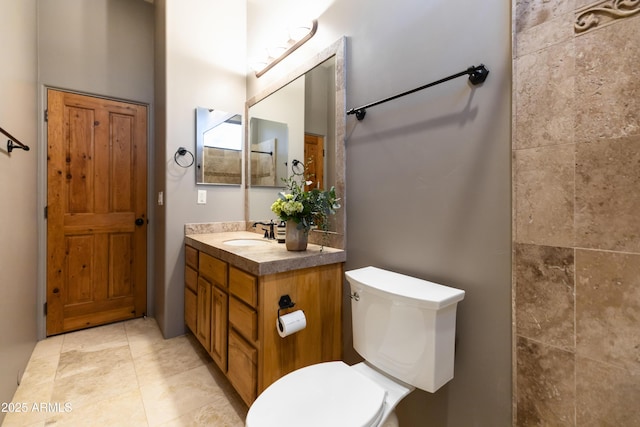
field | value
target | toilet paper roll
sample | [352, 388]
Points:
[291, 323]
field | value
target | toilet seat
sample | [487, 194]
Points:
[321, 395]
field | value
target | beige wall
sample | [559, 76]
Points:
[18, 240]
[103, 48]
[576, 166]
[428, 175]
[201, 47]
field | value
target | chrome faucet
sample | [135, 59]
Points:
[268, 233]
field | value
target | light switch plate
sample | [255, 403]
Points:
[202, 197]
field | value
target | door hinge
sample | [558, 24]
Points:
[46, 212]
[45, 308]
[46, 115]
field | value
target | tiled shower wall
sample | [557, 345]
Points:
[576, 210]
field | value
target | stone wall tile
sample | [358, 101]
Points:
[531, 13]
[552, 32]
[545, 294]
[544, 188]
[608, 307]
[544, 97]
[607, 194]
[608, 82]
[545, 385]
[606, 395]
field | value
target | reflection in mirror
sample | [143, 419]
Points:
[269, 152]
[310, 101]
[218, 147]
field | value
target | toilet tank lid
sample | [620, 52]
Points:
[428, 293]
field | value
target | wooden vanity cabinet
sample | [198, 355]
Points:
[242, 314]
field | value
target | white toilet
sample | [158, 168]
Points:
[403, 327]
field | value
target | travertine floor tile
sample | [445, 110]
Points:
[143, 336]
[169, 357]
[124, 410]
[51, 346]
[27, 395]
[41, 370]
[96, 373]
[209, 415]
[84, 378]
[97, 338]
[169, 398]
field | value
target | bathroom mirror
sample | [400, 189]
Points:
[218, 147]
[310, 101]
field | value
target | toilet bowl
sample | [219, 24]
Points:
[403, 327]
[329, 394]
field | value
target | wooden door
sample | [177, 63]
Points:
[96, 211]
[314, 160]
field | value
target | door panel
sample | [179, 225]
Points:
[96, 254]
[314, 160]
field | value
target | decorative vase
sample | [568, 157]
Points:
[296, 239]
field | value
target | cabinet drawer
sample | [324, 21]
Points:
[191, 278]
[243, 372]
[244, 286]
[244, 319]
[190, 307]
[191, 257]
[213, 269]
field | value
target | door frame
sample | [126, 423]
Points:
[41, 203]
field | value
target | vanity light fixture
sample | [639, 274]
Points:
[297, 37]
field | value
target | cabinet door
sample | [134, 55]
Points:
[190, 309]
[243, 370]
[203, 318]
[219, 305]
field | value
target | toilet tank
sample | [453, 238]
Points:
[404, 326]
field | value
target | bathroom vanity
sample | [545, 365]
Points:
[233, 284]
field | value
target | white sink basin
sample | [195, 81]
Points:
[246, 242]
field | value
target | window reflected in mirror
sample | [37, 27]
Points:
[269, 152]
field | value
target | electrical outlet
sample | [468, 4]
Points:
[202, 197]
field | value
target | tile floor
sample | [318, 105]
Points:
[124, 374]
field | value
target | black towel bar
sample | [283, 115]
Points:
[13, 142]
[477, 74]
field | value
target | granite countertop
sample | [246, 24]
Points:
[264, 258]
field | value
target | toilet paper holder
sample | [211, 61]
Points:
[284, 303]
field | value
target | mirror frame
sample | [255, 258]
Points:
[337, 237]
